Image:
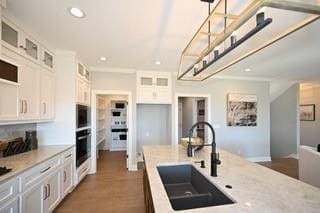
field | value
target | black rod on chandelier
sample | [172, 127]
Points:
[255, 30]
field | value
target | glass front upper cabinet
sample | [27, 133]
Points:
[162, 82]
[9, 34]
[48, 59]
[31, 48]
[146, 81]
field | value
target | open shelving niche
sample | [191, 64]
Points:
[101, 122]
[118, 122]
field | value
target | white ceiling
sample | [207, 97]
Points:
[135, 34]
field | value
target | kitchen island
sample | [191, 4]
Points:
[254, 187]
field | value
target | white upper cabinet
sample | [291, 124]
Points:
[83, 72]
[47, 59]
[154, 87]
[47, 95]
[83, 92]
[18, 41]
[10, 35]
[30, 96]
[83, 85]
[9, 93]
[29, 47]
[29, 90]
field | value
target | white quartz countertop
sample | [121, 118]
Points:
[24, 161]
[254, 187]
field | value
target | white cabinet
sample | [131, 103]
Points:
[47, 95]
[83, 92]
[44, 186]
[83, 72]
[29, 90]
[10, 207]
[18, 41]
[83, 170]
[154, 87]
[32, 97]
[33, 199]
[10, 35]
[9, 102]
[67, 178]
[44, 196]
[53, 189]
[47, 59]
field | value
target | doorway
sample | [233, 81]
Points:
[111, 124]
[189, 109]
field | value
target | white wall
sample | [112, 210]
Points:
[189, 114]
[250, 142]
[310, 130]
[284, 122]
[153, 125]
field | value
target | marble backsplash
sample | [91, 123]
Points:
[13, 131]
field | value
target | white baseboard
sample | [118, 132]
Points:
[134, 167]
[117, 149]
[259, 159]
[295, 156]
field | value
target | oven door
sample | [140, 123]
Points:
[83, 116]
[83, 148]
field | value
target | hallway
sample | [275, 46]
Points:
[111, 189]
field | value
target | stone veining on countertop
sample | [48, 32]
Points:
[255, 188]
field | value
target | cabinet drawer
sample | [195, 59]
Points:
[33, 176]
[83, 170]
[68, 155]
[8, 190]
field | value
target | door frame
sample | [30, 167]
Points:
[175, 118]
[94, 94]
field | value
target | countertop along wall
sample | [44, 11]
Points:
[249, 142]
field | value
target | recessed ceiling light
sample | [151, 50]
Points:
[247, 70]
[76, 12]
[103, 58]
[157, 62]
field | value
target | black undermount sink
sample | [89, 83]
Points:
[187, 188]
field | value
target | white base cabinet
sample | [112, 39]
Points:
[11, 207]
[40, 189]
[32, 200]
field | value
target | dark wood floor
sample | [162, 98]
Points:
[287, 166]
[111, 189]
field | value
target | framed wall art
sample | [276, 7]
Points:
[307, 112]
[242, 110]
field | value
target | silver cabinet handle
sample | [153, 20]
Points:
[21, 106]
[44, 108]
[49, 191]
[25, 103]
[45, 193]
[64, 176]
[43, 171]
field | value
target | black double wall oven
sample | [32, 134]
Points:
[83, 134]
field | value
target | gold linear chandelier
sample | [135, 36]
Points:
[234, 30]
